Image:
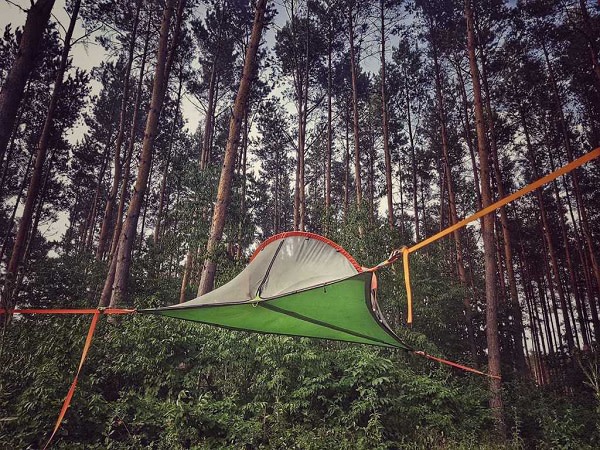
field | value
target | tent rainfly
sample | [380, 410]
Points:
[297, 284]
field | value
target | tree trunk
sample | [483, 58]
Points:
[384, 123]
[90, 225]
[590, 38]
[13, 214]
[515, 307]
[244, 166]
[40, 158]
[467, 131]
[329, 150]
[356, 129]
[413, 162]
[493, 342]
[163, 183]
[13, 87]
[224, 189]
[108, 220]
[114, 292]
[347, 164]
[130, 146]
[11, 145]
[581, 208]
[209, 119]
[462, 274]
[548, 239]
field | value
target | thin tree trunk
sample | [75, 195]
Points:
[347, 165]
[36, 177]
[108, 220]
[130, 146]
[506, 235]
[413, 162]
[244, 164]
[462, 274]
[115, 292]
[165, 175]
[548, 239]
[224, 189]
[11, 145]
[13, 214]
[581, 208]
[467, 130]
[13, 87]
[356, 129]
[329, 149]
[493, 341]
[384, 123]
[90, 225]
[590, 38]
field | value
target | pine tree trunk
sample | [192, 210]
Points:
[163, 183]
[11, 145]
[347, 164]
[108, 220]
[493, 341]
[244, 167]
[462, 274]
[548, 238]
[329, 150]
[13, 214]
[130, 146]
[581, 208]
[13, 87]
[467, 131]
[90, 223]
[515, 307]
[224, 189]
[590, 37]
[356, 129]
[413, 163]
[36, 177]
[114, 292]
[384, 124]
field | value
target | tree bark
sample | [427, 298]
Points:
[515, 307]
[224, 189]
[90, 223]
[165, 175]
[36, 177]
[384, 124]
[13, 87]
[493, 341]
[462, 274]
[108, 220]
[413, 163]
[356, 129]
[130, 146]
[115, 286]
[581, 207]
[548, 239]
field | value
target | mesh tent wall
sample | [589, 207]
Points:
[299, 284]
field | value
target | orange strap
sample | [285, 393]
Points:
[458, 366]
[88, 342]
[69, 311]
[496, 205]
[67, 402]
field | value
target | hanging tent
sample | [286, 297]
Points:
[297, 284]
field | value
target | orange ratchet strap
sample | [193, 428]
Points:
[453, 364]
[405, 251]
[86, 347]
[67, 402]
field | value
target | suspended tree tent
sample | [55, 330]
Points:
[297, 284]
